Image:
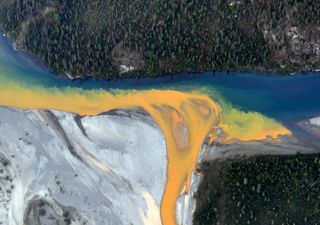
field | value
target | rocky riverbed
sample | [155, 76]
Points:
[57, 168]
[61, 168]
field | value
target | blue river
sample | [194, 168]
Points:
[285, 98]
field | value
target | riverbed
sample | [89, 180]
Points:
[188, 108]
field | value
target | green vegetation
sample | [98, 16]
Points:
[260, 190]
[96, 37]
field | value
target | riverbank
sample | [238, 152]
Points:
[182, 108]
[243, 182]
[167, 37]
[259, 189]
[236, 151]
[242, 90]
[86, 140]
[184, 118]
[89, 170]
[140, 81]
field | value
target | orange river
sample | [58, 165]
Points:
[185, 118]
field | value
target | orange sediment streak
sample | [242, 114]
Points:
[184, 118]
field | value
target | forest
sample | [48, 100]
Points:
[116, 39]
[279, 190]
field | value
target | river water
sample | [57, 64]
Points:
[187, 107]
[280, 97]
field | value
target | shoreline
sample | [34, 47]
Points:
[187, 202]
[239, 150]
[163, 77]
[189, 77]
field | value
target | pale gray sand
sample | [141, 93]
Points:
[56, 167]
[315, 121]
[311, 126]
[114, 173]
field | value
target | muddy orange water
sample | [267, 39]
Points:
[184, 118]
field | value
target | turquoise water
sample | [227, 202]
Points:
[285, 98]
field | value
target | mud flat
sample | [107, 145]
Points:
[59, 167]
[109, 170]
[184, 118]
